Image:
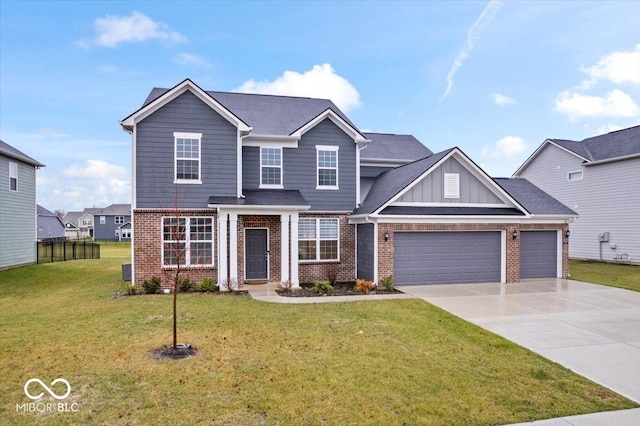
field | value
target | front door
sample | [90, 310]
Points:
[256, 254]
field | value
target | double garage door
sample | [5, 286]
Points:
[468, 257]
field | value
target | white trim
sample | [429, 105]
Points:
[233, 246]
[281, 167]
[335, 118]
[330, 148]
[134, 181]
[459, 219]
[574, 173]
[430, 204]
[184, 135]
[13, 174]
[374, 162]
[358, 201]
[375, 252]
[244, 253]
[284, 248]
[240, 209]
[539, 149]
[188, 241]
[270, 141]
[559, 245]
[318, 239]
[187, 85]
[611, 160]
[222, 249]
[503, 256]
[295, 281]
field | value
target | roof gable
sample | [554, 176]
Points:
[532, 198]
[9, 151]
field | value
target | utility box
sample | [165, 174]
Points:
[604, 237]
[126, 272]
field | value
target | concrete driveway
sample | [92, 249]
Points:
[591, 329]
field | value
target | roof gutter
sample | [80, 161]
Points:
[611, 160]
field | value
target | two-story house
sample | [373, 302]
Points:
[256, 188]
[17, 207]
[112, 223]
[49, 226]
[598, 177]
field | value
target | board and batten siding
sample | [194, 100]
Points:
[155, 149]
[300, 171]
[431, 188]
[365, 267]
[607, 200]
[17, 215]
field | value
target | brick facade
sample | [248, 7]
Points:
[386, 248]
[345, 268]
[147, 246]
[272, 224]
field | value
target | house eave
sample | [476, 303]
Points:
[611, 160]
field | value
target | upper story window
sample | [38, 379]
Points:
[575, 175]
[86, 222]
[13, 176]
[187, 157]
[451, 185]
[271, 167]
[102, 220]
[327, 165]
[119, 220]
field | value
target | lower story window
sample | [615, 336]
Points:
[187, 241]
[318, 239]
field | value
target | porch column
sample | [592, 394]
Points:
[295, 282]
[222, 249]
[284, 248]
[233, 247]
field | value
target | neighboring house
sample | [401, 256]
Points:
[49, 225]
[72, 229]
[277, 188]
[112, 223]
[17, 207]
[599, 178]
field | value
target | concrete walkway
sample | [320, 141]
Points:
[591, 329]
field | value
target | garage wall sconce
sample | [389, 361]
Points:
[386, 236]
[566, 234]
[514, 236]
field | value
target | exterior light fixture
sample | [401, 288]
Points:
[386, 236]
[566, 234]
[514, 236]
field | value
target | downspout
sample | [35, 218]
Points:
[241, 137]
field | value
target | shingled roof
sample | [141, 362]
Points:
[532, 198]
[268, 114]
[392, 147]
[621, 143]
[14, 153]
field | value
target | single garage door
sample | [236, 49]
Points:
[538, 254]
[446, 257]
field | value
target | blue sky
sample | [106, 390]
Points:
[493, 78]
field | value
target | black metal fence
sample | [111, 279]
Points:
[60, 251]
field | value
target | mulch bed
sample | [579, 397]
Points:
[339, 289]
[182, 351]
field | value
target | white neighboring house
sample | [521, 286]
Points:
[599, 178]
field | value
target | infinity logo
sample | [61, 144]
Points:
[52, 393]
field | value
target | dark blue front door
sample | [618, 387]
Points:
[256, 254]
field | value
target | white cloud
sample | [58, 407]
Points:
[500, 99]
[608, 128]
[473, 35]
[95, 170]
[615, 104]
[113, 30]
[187, 59]
[319, 82]
[509, 146]
[617, 67]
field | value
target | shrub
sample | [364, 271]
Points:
[207, 285]
[363, 286]
[322, 287]
[132, 289]
[230, 284]
[332, 273]
[185, 285]
[286, 285]
[387, 282]
[152, 286]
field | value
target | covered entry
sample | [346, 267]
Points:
[447, 257]
[538, 254]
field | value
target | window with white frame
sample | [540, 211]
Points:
[13, 177]
[187, 157]
[187, 241]
[327, 165]
[574, 175]
[451, 185]
[103, 220]
[86, 222]
[125, 233]
[318, 239]
[119, 220]
[271, 167]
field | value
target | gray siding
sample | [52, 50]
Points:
[300, 168]
[17, 215]
[155, 155]
[431, 188]
[607, 200]
[108, 230]
[365, 251]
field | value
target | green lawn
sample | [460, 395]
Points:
[615, 275]
[382, 362]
